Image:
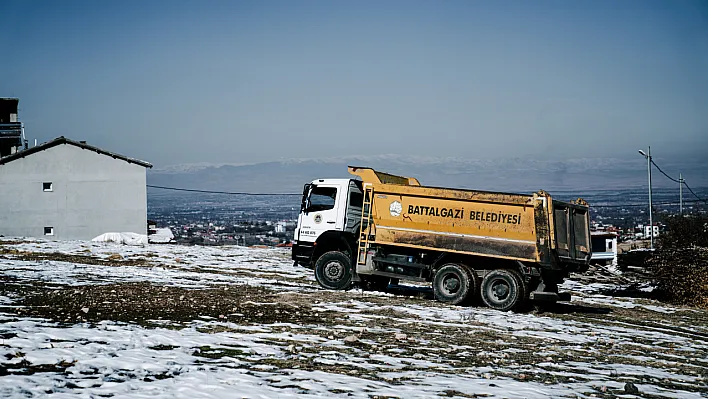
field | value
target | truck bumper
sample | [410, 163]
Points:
[302, 252]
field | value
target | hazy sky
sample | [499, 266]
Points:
[234, 81]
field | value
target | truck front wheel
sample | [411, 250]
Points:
[502, 289]
[453, 284]
[333, 271]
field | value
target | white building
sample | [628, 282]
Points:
[604, 247]
[64, 189]
[647, 231]
[280, 227]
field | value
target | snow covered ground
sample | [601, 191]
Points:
[84, 319]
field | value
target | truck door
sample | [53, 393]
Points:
[572, 232]
[581, 236]
[355, 202]
[320, 212]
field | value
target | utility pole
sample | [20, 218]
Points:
[647, 155]
[680, 194]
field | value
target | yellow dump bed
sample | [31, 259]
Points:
[399, 211]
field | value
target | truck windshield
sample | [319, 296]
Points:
[321, 199]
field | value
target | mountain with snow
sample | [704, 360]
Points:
[514, 174]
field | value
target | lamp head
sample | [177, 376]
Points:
[643, 153]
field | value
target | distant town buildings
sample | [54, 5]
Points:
[613, 246]
[246, 233]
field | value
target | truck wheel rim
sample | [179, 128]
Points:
[334, 271]
[499, 290]
[450, 284]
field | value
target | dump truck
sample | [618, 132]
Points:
[507, 250]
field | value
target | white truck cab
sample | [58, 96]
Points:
[330, 211]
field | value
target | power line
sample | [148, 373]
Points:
[218, 192]
[663, 173]
[681, 181]
[694, 194]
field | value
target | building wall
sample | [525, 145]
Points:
[611, 245]
[91, 194]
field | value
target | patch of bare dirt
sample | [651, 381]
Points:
[144, 302]
[117, 260]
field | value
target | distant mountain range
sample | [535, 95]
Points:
[516, 174]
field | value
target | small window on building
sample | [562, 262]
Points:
[47, 186]
[49, 231]
[609, 245]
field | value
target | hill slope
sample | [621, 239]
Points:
[90, 319]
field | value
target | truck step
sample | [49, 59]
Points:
[398, 276]
[400, 263]
[542, 296]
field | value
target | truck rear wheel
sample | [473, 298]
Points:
[502, 289]
[333, 271]
[454, 284]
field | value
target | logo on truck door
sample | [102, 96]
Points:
[318, 218]
[395, 208]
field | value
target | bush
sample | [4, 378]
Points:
[685, 232]
[680, 262]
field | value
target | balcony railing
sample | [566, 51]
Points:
[11, 129]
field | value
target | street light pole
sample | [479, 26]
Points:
[647, 155]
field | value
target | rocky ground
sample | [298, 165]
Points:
[88, 319]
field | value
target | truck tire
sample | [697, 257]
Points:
[454, 284]
[502, 289]
[333, 270]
